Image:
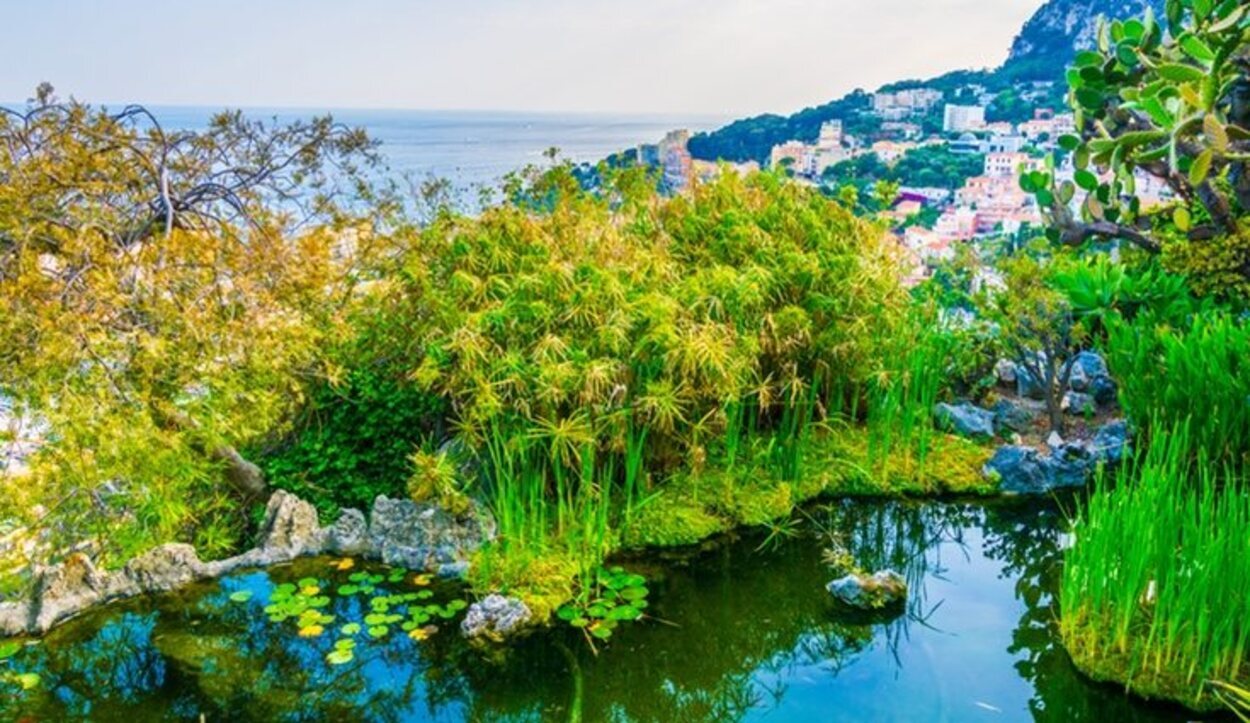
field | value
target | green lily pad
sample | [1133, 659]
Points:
[9, 649]
[344, 644]
[350, 629]
[348, 590]
[378, 631]
[241, 596]
[340, 657]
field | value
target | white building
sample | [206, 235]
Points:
[963, 118]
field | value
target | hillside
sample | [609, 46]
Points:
[1039, 53]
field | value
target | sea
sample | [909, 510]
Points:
[474, 149]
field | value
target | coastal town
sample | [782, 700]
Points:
[930, 221]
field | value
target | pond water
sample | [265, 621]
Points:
[741, 630]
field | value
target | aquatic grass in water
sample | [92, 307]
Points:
[1154, 585]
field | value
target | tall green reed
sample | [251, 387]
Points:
[1157, 575]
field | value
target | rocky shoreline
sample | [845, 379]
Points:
[398, 532]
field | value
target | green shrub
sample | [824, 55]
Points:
[353, 441]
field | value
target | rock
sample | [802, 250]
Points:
[14, 618]
[160, 569]
[495, 617]
[1011, 417]
[1019, 470]
[1027, 385]
[1077, 403]
[1111, 442]
[422, 536]
[65, 590]
[965, 419]
[869, 592]
[1024, 470]
[1070, 465]
[1104, 390]
[1054, 441]
[291, 527]
[1086, 367]
[349, 535]
[1005, 370]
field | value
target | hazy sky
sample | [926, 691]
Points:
[730, 57]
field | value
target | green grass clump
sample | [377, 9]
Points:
[1198, 373]
[1154, 587]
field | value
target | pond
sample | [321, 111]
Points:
[741, 630]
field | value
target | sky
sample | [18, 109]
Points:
[712, 57]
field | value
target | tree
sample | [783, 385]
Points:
[1170, 100]
[161, 295]
[1037, 326]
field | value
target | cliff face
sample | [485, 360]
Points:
[1045, 44]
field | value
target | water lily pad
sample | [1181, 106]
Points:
[345, 644]
[9, 649]
[422, 580]
[28, 681]
[241, 596]
[340, 657]
[457, 605]
[308, 582]
[311, 631]
[350, 629]
[378, 631]
[346, 563]
[358, 576]
[634, 593]
[375, 619]
[348, 590]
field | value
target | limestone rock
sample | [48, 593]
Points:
[422, 536]
[869, 592]
[291, 526]
[66, 589]
[163, 568]
[495, 617]
[349, 535]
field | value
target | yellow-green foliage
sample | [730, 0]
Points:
[1213, 269]
[568, 322]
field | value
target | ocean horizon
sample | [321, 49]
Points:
[470, 148]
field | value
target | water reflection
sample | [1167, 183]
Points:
[742, 632]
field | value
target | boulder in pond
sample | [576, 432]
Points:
[869, 592]
[1071, 464]
[495, 617]
[423, 536]
[967, 420]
